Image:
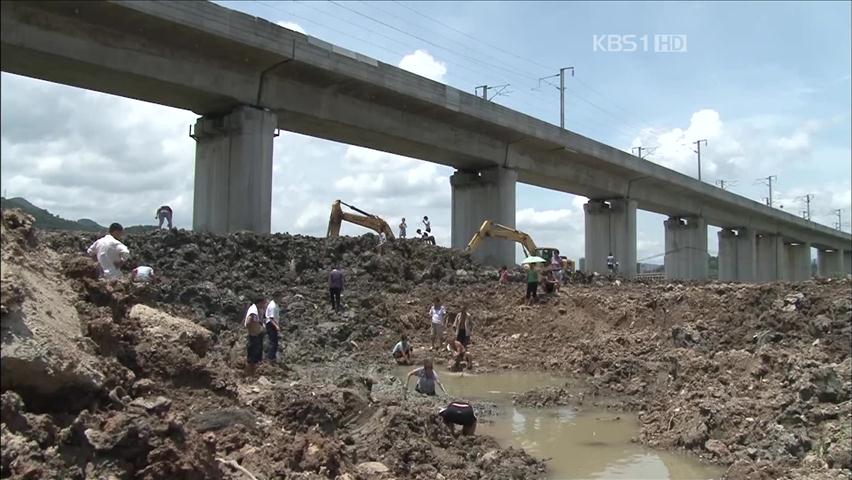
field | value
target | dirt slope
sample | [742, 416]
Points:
[756, 377]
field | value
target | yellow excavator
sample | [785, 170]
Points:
[367, 220]
[495, 230]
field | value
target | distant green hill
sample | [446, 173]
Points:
[48, 221]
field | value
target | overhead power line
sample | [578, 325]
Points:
[768, 182]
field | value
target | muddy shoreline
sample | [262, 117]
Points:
[756, 378]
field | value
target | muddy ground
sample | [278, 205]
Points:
[121, 381]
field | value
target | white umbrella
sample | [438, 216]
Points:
[533, 259]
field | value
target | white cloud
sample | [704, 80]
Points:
[291, 26]
[424, 64]
[544, 219]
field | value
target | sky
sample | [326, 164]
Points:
[766, 84]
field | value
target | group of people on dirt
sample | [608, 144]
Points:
[550, 277]
[257, 328]
[424, 234]
[457, 412]
[458, 345]
[111, 254]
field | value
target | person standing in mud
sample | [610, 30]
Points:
[272, 330]
[254, 343]
[427, 379]
[110, 252]
[438, 313]
[463, 325]
[335, 288]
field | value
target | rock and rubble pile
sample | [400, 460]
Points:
[114, 379]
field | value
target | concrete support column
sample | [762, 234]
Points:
[479, 196]
[771, 258]
[830, 263]
[847, 261]
[686, 248]
[233, 171]
[611, 227]
[798, 261]
[727, 255]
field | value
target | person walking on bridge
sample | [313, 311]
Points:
[164, 213]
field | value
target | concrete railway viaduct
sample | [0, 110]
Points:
[247, 77]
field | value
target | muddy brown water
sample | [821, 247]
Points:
[578, 442]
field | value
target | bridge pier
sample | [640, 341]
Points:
[686, 248]
[771, 258]
[610, 227]
[847, 261]
[830, 263]
[233, 171]
[798, 261]
[479, 196]
[737, 255]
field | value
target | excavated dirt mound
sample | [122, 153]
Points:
[756, 377]
[169, 399]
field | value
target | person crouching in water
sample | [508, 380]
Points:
[460, 354]
[459, 413]
[427, 378]
[402, 351]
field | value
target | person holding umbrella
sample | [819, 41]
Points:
[530, 263]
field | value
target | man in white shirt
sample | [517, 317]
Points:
[254, 345]
[272, 330]
[382, 240]
[439, 318]
[109, 251]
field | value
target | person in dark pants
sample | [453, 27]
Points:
[272, 330]
[532, 284]
[254, 344]
[459, 413]
[335, 288]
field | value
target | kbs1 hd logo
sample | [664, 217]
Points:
[658, 43]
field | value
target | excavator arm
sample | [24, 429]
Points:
[495, 230]
[367, 220]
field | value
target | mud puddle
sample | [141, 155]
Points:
[578, 442]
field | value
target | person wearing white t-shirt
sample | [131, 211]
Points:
[438, 313]
[382, 240]
[110, 252]
[272, 330]
[254, 344]
[142, 274]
